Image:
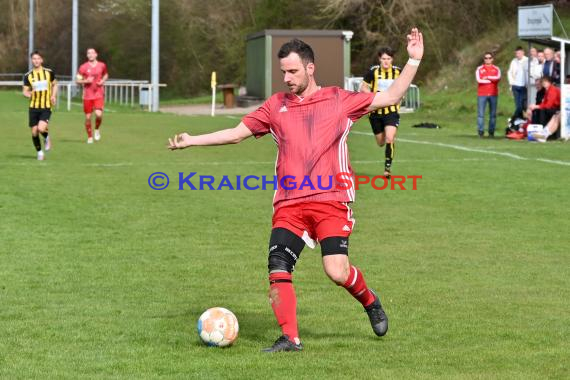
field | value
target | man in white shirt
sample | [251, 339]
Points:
[535, 73]
[518, 74]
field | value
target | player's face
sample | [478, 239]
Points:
[540, 56]
[91, 55]
[385, 61]
[519, 54]
[37, 60]
[296, 75]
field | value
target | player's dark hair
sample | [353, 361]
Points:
[91, 47]
[489, 53]
[304, 51]
[519, 48]
[547, 78]
[36, 52]
[386, 50]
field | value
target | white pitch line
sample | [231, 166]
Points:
[554, 161]
[228, 163]
[475, 150]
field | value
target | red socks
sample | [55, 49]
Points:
[284, 303]
[98, 121]
[356, 286]
[88, 128]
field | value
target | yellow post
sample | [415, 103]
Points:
[213, 84]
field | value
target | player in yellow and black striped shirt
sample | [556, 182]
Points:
[40, 86]
[384, 121]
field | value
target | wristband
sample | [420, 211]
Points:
[414, 62]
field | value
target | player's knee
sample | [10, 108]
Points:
[281, 259]
[284, 250]
[336, 269]
[337, 273]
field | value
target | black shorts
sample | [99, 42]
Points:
[39, 114]
[379, 122]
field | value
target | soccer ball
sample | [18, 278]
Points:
[218, 327]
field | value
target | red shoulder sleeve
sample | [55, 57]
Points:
[355, 104]
[259, 121]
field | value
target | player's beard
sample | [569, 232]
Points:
[301, 87]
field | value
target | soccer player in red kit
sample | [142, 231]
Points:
[310, 126]
[92, 75]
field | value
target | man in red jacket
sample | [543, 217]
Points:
[488, 77]
[550, 103]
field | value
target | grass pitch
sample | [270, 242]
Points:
[103, 277]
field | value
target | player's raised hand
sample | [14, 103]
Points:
[179, 141]
[415, 44]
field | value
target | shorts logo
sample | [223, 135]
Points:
[283, 109]
[343, 244]
[346, 228]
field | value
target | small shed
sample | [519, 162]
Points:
[263, 74]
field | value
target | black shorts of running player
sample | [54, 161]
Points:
[39, 114]
[379, 122]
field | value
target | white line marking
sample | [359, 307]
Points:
[245, 163]
[475, 150]
[554, 161]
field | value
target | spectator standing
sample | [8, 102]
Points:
[518, 74]
[535, 74]
[488, 76]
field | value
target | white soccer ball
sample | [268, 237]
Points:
[218, 327]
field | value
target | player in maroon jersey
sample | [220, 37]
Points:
[310, 126]
[92, 75]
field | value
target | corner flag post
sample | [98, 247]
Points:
[213, 84]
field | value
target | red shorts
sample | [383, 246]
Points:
[319, 220]
[90, 104]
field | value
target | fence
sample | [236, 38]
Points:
[410, 103]
[117, 91]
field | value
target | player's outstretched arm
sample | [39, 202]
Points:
[223, 137]
[398, 89]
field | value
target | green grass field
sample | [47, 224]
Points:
[103, 277]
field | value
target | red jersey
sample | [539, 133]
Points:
[551, 98]
[93, 90]
[310, 134]
[488, 77]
